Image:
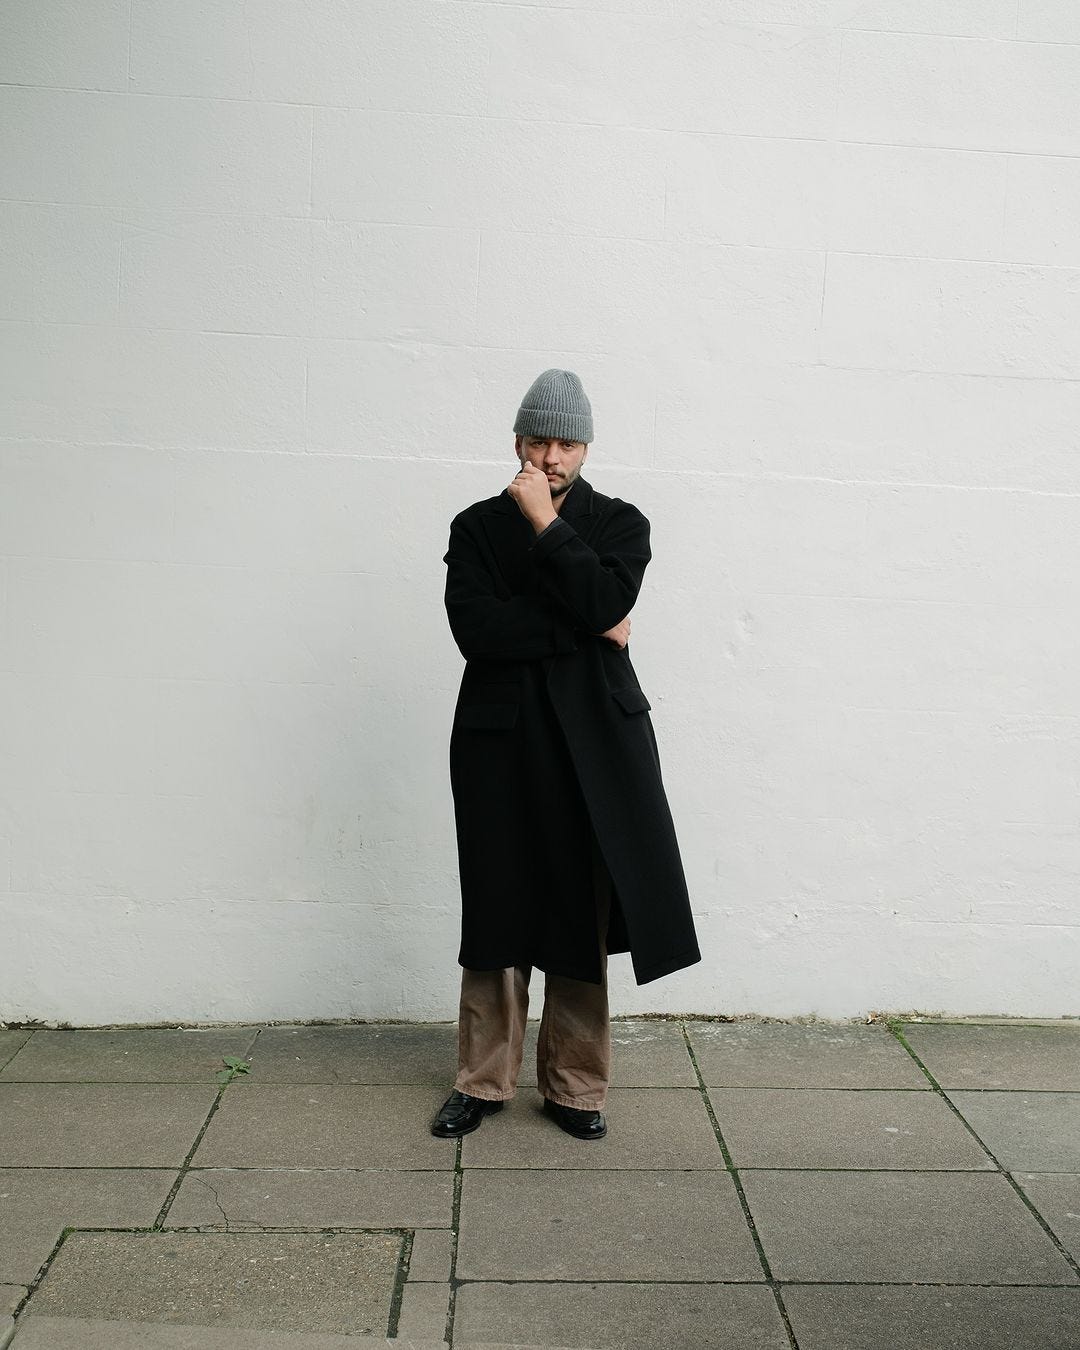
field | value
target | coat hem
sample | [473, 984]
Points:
[647, 974]
[534, 964]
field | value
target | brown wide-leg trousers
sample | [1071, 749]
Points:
[573, 1052]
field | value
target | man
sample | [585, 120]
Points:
[566, 847]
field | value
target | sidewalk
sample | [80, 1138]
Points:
[763, 1186]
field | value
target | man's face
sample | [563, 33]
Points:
[560, 460]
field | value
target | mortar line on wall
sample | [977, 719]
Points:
[645, 127]
[721, 476]
[515, 5]
[659, 240]
[878, 372]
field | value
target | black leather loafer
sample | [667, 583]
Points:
[460, 1114]
[581, 1124]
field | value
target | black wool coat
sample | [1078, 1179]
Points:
[552, 751]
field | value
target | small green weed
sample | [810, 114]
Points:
[233, 1068]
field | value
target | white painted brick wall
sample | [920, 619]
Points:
[273, 279]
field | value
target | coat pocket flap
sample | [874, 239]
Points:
[631, 700]
[488, 716]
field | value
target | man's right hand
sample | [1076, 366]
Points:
[620, 634]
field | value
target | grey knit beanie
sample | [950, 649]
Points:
[556, 406]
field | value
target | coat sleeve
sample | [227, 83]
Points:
[597, 587]
[486, 625]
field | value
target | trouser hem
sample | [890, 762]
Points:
[487, 1095]
[576, 1103]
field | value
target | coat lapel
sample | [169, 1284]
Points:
[510, 534]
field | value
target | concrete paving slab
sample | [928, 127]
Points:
[432, 1251]
[639, 1226]
[1038, 1131]
[11, 1295]
[775, 1054]
[840, 1127]
[395, 1053]
[325, 1125]
[622, 1316]
[1027, 1058]
[69, 1333]
[328, 1282]
[301, 1198]
[148, 1055]
[100, 1124]
[650, 1054]
[11, 1042]
[647, 1128]
[424, 1309]
[37, 1204]
[939, 1227]
[1056, 1195]
[933, 1317]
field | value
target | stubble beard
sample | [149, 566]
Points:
[558, 489]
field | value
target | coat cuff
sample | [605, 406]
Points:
[558, 532]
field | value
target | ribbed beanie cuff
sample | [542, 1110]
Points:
[556, 405]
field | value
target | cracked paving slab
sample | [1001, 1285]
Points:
[304, 1198]
[325, 1125]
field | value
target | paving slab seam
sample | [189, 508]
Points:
[786, 1284]
[143, 1167]
[267, 1228]
[896, 1029]
[733, 1172]
[17, 1051]
[402, 1274]
[194, 1230]
[455, 1230]
[185, 1166]
[286, 1167]
[923, 1284]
